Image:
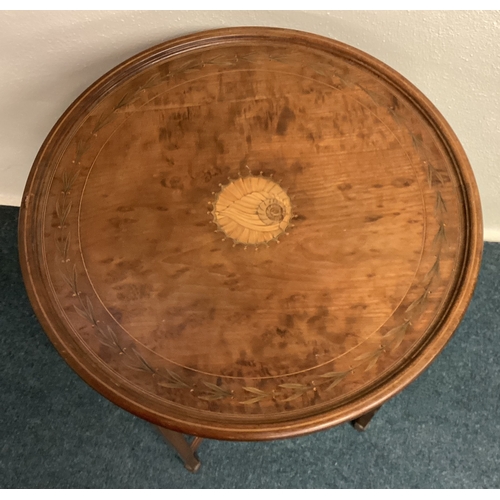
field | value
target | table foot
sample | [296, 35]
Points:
[185, 450]
[361, 423]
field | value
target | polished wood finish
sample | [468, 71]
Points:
[186, 451]
[361, 423]
[250, 234]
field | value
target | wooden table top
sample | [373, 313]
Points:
[250, 233]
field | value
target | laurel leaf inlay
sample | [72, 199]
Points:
[174, 381]
[216, 392]
[103, 120]
[259, 395]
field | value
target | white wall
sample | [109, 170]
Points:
[48, 58]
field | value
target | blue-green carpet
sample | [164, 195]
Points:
[443, 431]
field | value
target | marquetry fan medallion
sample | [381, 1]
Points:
[252, 210]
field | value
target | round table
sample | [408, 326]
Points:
[250, 234]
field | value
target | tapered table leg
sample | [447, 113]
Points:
[186, 451]
[361, 423]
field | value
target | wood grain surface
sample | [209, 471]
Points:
[250, 233]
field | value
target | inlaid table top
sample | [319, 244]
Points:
[250, 233]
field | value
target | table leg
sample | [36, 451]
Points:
[186, 451]
[361, 423]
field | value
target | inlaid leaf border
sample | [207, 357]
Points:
[204, 390]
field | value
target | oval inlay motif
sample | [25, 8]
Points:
[252, 210]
